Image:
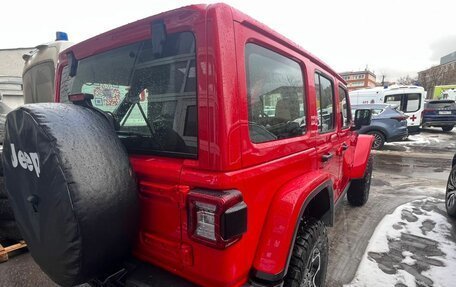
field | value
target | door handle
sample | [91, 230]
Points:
[344, 146]
[326, 157]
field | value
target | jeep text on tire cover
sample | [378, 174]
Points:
[241, 142]
[28, 161]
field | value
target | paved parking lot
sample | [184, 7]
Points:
[403, 172]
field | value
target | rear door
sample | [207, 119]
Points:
[344, 150]
[413, 106]
[327, 139]
[410, 103]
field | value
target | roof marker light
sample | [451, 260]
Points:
[61, 36]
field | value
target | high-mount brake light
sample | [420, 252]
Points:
[80, 97]
[216, 218]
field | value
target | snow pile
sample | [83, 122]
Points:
[413, 246]
[419, 139]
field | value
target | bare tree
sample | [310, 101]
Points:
[438, 75]
[407, 80]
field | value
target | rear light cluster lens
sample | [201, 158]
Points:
[426, 111]
[216, 218]
[205, 220]
[400, 118]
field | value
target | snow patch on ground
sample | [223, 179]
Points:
[413, 246]
[419, 139]
[408, 258]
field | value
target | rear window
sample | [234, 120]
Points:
[441, 104]
[152, 97]
[39, 83]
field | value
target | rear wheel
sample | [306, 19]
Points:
[309, 259]
[450, 198]
[447, 128]
[379, 139]
[358, 192]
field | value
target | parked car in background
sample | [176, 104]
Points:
[450, 198]
[4, 109]
[387, 125]
[439, 113]
[39, 69]
[409, 100]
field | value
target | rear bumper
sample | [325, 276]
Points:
[135, 273]
[438, 123]
[438, 120]
[400, 135]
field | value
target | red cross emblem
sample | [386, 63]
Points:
[413, 118]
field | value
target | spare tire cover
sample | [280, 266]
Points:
[71, 188]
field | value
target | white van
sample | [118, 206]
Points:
[408, 99]
[39, 70]
[449, 94]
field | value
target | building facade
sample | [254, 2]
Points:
[359, 80]
[443, 74]
[11, 65]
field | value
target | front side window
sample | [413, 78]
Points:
[275, 92]
[325, 103]
[152, 95]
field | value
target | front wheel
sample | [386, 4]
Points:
[447, 128]
[450, 198]
[379, 139]
[309, 259]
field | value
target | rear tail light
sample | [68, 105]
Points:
[400, 118]
[216, 218]
[80, 97]
[425, 111]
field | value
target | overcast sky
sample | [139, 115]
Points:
[391, 37]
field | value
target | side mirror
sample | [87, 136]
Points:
[362, 118]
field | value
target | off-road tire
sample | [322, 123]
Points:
[379, 139]
[447, 128]
[450, 197]
[8, 227]
[358, 192]
[9, 231]
[2, 188]
[6, 213]
[309, 259]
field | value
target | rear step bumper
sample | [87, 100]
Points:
[146, 275]
[139, 274]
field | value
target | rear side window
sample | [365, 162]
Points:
[376, 112]
[152, 96]
[325, 103]
[394, 100]
[275, 92]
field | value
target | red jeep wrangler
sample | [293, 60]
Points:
[241, 142]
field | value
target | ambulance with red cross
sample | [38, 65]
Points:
[408, 99]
